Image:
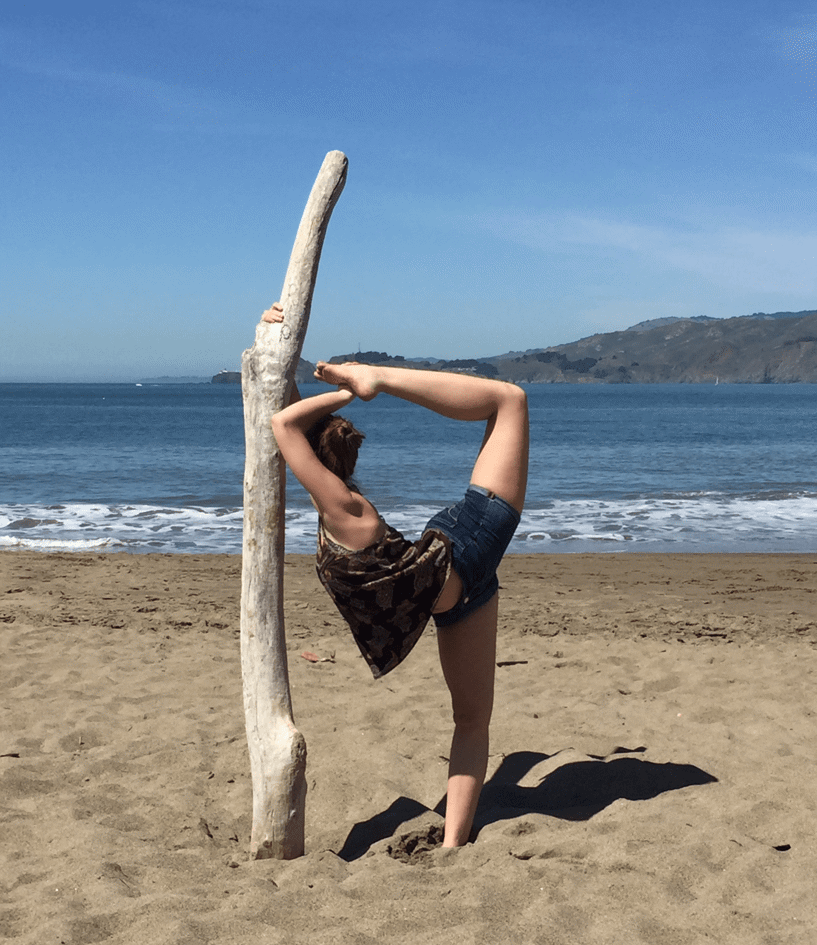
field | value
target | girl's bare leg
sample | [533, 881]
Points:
[502, 463]
[468, 658]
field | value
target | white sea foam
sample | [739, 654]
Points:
[692, 522]
[52, 544]
[138, 528]
[699, 522]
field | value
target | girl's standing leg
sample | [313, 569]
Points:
[468, 659]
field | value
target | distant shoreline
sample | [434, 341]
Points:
[752, 349]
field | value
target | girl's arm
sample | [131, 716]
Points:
[274, 314]
[332, 496]
[302, 414]
[334, 500]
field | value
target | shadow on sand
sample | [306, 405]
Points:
[576, 791]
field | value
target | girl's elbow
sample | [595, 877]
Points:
[279, 422]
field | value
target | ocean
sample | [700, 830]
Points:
[158, 468]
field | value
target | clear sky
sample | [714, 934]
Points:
[522, 173]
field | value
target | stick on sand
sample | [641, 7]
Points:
[277, 749]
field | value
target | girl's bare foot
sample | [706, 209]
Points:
[274, 314]
[361, 379]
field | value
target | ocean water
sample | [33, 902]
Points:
[613, 468]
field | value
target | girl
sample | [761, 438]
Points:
[387, 587]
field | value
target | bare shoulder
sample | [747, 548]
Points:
[356, 524]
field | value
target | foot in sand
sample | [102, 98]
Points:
[361, 379]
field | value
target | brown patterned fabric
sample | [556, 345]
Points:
[385, 592]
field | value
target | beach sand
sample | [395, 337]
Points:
[652, 774]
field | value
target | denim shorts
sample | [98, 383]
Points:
[480, 528]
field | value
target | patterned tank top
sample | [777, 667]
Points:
[385, 592]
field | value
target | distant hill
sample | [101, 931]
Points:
[751, 349]
[659, 322]
[757, 349]
[761, 348]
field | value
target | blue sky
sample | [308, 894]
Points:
[521, 174]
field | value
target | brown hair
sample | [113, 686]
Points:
[336, 443]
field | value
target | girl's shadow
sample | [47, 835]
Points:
[575, 791]
[579, 789]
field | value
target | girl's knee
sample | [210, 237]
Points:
[472, 720]
[512, 402]
[517, 397]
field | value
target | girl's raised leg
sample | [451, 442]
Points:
[502, 463]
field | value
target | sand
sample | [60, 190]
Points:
[652, 776]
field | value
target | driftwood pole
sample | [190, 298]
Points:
[277, 749]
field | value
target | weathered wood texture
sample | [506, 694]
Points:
[277, 749]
